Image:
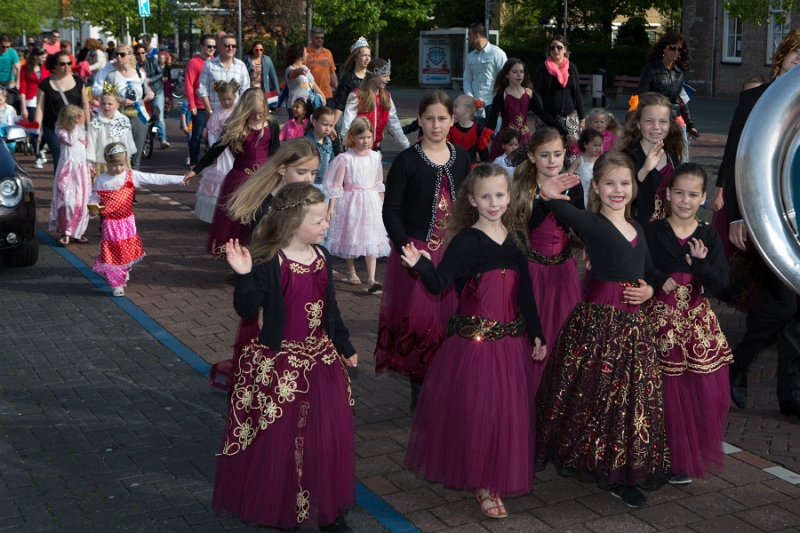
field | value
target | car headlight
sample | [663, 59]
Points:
[10, 192]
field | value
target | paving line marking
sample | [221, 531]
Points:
[367, 499]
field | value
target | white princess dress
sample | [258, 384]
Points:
[355, 180]
[214, 175]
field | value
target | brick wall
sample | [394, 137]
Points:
[697, 23]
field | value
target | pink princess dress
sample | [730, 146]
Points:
[214, 175]
[292, 129]
[355, 180]
[72, 185]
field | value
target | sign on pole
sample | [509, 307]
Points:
[435, 60]
[144, 8]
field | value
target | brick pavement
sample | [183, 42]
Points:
[188, 293]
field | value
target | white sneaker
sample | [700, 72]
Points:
[43, 157]
[38, 164]
[188, 160]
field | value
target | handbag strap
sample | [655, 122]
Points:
[60, 91]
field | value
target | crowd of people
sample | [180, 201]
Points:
[621, 379]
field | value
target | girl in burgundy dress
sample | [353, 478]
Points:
[654, 142]
[287, 457]
[475, 425]
[552, 268]
[600, 406]
[694, 354]
[252, 135]
[417, 207]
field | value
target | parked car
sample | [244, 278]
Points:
[19, 242]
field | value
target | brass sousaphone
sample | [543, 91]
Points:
[768, 176]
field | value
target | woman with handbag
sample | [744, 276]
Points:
[557, 82]
[60, 89]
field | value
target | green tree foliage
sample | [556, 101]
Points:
[632, 32]
[365, 17]
[758, 11]
[28, 16]
[108, 15]
[450, 14]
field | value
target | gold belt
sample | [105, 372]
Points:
[539, 257]
[480, 328]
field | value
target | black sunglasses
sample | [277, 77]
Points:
[231, 46]
[210, 45]
[64, 63]
[556, 47]
[674, 48]
[120, 54]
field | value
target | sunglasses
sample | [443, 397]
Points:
[258, 49]
[231, 46]
[212, 46]
[674, 48]
[120, 54]
[64, 63]
[556, 47]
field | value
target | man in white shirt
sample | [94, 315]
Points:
[483, 64]
[224, 67]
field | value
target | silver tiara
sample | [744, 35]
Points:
[384, 70]
[360, 43]
[118, 148]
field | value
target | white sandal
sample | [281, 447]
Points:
[119, 291]
[351, 278]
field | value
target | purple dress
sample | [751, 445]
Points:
[661, 195]
[412, 321]
[515, 116]
[554, 274]
[600, 403]
[474, 426]
[287, 456]
[254, 154]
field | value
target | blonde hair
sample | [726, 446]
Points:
[467, 101]
[632, 134]
[226, 87]
[236, 127]
[117, 157]
[357, 127]
[115, 96]
[605, 164]
[465, 214]
[245, 203]
[526, 186]
[123, 47]
[612, 124]
[275, 231]
[789, 44]
[68, 116]
[367, 92]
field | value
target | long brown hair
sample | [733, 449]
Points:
[632, 134]
[246, 201]
[501, 81]
[525, 175]
[275, 231]
[366, 93]
[605, 164]
[465, 215]
[789, 44]
[350, 64]
[672, 38]
[236, 127]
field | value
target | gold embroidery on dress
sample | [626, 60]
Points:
[297, 268]
[252, 170]
[314, 311]
[658, 211]
[319, 265]
[682, 295]
[303, 503]
[521, 125]
[218, 251]
[441, 223]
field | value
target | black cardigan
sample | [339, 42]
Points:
[347, 84]
[261, 287]
[534, 106]
[644, 205]
[412, 191]
[559, 100]
[471, 253]
[215, 151]
[669, 256]
[541, 209]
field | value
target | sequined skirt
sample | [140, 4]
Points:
[600, 404]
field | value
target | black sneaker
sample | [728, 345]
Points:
[632, 496]
[340, 526]
[679, 479]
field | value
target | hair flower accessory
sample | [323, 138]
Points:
[633, 103]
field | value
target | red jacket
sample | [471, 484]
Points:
[192, 81]
[29, 82]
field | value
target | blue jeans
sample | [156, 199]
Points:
[198, 125]
[51, 139]
[158, 101]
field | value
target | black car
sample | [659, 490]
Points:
[19, 243]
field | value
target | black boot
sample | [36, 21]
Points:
[738, 386]
[340, 526]
[416, 387]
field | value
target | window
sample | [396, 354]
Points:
[731, 39]
[777, 31]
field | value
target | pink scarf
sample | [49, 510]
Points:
[561, 73]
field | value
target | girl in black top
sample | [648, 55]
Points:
[420, 188]
[353, 72]
[600, 404]
[291, 402]
[694, 355]
[480, 382]
[652, 139]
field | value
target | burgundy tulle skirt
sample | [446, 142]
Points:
[412, 322]
[474, 426]
[223, 227]
[600, 403]
[695, 412]
[557, 290]
[287, 456]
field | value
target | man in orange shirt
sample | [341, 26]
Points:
[320, 63]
